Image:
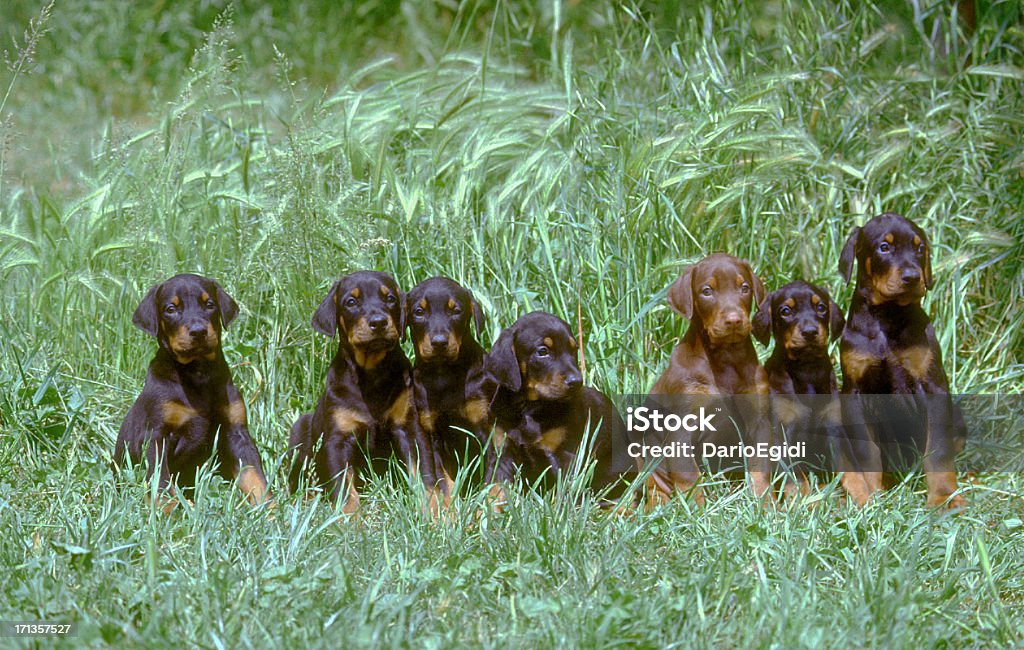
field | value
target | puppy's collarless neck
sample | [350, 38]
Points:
[806, 362]
[864, 298]
[469, 354]
[364, 359]
[697, 333]
[196, 372]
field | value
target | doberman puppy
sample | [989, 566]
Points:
[449, 384]
[889, 348]
[715, 358]
[367, 406]
[802, 317]
[541, 408]
[189, 400]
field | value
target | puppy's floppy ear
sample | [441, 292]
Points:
[146, 314]
[762, 322]
[680, 294]
[756, 283]
[849, 255]
[228, 306]
[479, 318]
[927, 266]
[403, 309]
[502, 363]
[407, 307]
[836, 322]
[325, 318]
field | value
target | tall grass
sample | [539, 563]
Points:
[548, 156]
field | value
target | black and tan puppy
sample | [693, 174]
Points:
[189, 401]
[889, 348]
[367, 406]
[715, 359]
[542, 408]
[802, 318]
[452, 391]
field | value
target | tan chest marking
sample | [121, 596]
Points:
[347, 420]
[399, 411]
[856, 364]
[475, 410]
[552, 439]
[917, 361]
[369, 360]
[176, 414]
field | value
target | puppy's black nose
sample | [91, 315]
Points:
[439, 341]
[377, 322]
[910, 276]
[197, 331]
[573, 381]
[809, 332]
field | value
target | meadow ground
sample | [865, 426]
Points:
[570, 157]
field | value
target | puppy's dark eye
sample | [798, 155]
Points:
[785, 311]
[419, 311]
[456, 310]
[350, 302]
[707, 292]
[920, 249]
[170, 309]
[744, 288]
[884, 247]
[543, 351]
[210, 304]
[390, 299]
[820, 308]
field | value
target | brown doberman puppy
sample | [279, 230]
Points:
[715, 358]
[451, 389]
[189, 401]
[889, 348]
[367, 407]
[542, 409]
[802, 317]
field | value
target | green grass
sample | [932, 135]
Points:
[559, 156]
